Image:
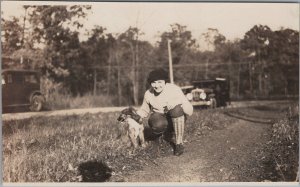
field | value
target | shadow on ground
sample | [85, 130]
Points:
[94, 171]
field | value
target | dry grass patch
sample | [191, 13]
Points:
[53, 149]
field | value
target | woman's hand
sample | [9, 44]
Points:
[171, 105]
[176, 112]
[137, 118]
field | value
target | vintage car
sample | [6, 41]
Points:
[210, 93]
[21, 88]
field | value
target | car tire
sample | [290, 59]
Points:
[37, 103]
[213, 103]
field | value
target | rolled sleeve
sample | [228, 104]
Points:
[144, 110]
[186, 105]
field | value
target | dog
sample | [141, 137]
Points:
[135, 129]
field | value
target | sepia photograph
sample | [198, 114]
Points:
[150, 93]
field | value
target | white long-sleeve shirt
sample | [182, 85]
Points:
[170, 94]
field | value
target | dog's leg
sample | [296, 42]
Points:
[142, 138]
[133, 139]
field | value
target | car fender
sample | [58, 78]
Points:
[212, 95]
[36, 93]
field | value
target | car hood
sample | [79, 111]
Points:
[206, 90]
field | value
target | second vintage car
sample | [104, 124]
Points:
[210, 93]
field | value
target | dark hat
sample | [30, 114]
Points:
[157, 74]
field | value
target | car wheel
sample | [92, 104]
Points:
[213, 103]
[37, 102]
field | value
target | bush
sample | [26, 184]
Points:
[286, 145]
[58, 97]
[64, 101]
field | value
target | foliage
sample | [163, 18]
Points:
[50, 22]
[284, 46]
[213, 38]
[65, 101]
[256, 40]
[51, 27]
[11, 35]
[263, 63]
[182, 41]
[267, 52]
[286, 141]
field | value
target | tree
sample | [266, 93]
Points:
[97, 51]
[214, 41]
[284, 58]
[182, 41]
[11, 37]
[51, 28]
[284, 46]
[183, 45]
[255, 43]
[130, 39]
[229, 53]
[17, 49]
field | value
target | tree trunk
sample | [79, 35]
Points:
[197, 72]
[250, 78]
[229, 76]
[109, 72]
[206, 69]
[260, 76]
[119, 79]
[238, 81]
[134, 75]
[260, 83]
[95, 82]
[136, 97]
[23, 32]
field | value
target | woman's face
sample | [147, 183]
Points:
[158, 85]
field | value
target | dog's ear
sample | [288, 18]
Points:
[121, 118]
[125, 111]
[132, 110]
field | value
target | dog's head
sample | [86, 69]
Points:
[122, 117]
[128, 112]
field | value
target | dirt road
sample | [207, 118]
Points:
[235, 153]
[239, 152]
[24, 115]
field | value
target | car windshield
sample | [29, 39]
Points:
[205, 85]
[19, 78]
[31, 78]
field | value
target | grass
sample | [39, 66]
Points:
[58, 97]
[63, 148]
[285, 143]
[43, 149]
[53, 149]
[57, 101]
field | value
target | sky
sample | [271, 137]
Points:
[232, 20]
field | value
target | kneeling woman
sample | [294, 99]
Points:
[167, 100]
